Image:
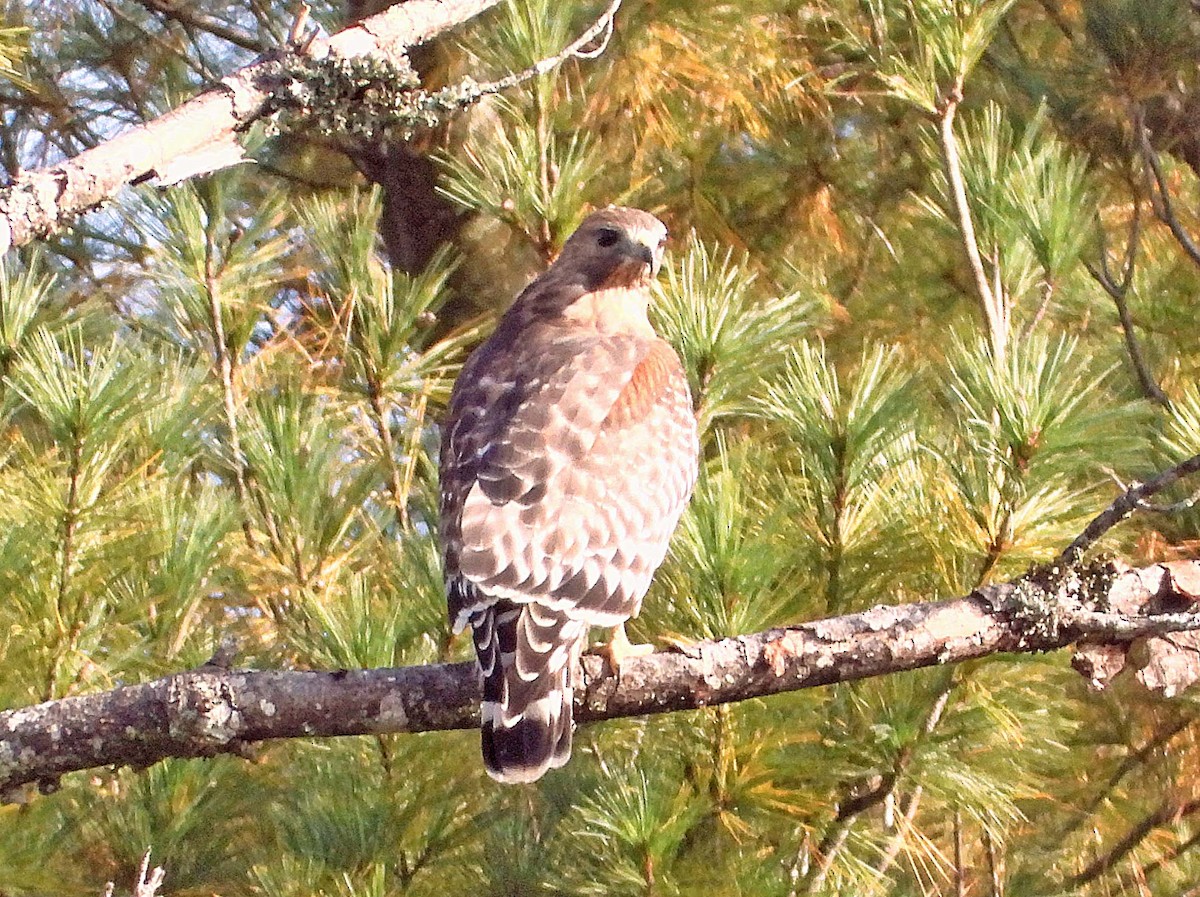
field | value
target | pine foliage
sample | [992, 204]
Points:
[219, 407]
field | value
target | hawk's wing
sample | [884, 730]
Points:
[562, 484]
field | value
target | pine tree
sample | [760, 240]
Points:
[933, 277]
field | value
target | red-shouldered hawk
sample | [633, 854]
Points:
[567, 457]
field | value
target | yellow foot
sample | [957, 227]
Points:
[619, 648]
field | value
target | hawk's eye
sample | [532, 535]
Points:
[608, 237]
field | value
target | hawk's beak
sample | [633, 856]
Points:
[648, 256]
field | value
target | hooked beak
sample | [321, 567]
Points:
[648, 256]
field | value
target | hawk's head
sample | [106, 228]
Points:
[614, 247]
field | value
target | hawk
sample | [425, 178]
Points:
[567, 457]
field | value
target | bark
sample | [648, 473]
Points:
[212, 710]
[416, 219]
[202, 134]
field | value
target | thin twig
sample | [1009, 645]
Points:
[225, 371]
[1131, 251]
[412, 452]
[990, 301]
[830, 847]
[1131, 762]
[578, 49]
[908, 813]
[849, 810]
[299, 34]
[1172, 855]
[1169, 811]
[148, 882]
[1132, 500]
[1163, 206]
[387, 446]
[1184, 504]
[995, 876]
[960, 877]
[67, 639]
[183, 14]
[1043, 306]
[1150, 388]
[197, 66]
[1119, 293]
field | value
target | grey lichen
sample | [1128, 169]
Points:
[205, 711]
[1044, 602]
[9, 762]
[360, 98]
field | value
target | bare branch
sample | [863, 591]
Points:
[1163, 206]
[885, 790]
[960, 878]
[299, 32]
[225, 363]
[1150, 388]
[1172, 855]
[148, 881]
[991, 300]
[577, 49]
[1132, 761]
[908, 812]
[1119, 293]
[1169, 812]
[209, 711]
[184, 15]
[1131, 500]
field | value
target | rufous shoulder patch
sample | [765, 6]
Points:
[658, 371]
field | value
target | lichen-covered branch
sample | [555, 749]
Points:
[357, 84]
[201, 135]
[213, 710]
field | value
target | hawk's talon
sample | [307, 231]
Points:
[620, 648]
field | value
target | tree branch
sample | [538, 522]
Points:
[600, 31]
[1170, 811]
[44, 201]
[1163, 206]
[991, 300]
[208, 711]
[1128, 502]
[1132, 761]
[182, 13]
[849, 810]
[1119, 293]
[1172, 854]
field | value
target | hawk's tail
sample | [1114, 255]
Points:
[525, 655]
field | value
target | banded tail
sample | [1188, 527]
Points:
[525, 653]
